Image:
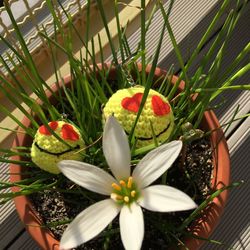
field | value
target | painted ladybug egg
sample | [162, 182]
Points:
[47, 150]
[156, 118]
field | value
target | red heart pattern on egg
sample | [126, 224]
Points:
[68, 133]
[43, 130]
[132, 103]
[159, 107]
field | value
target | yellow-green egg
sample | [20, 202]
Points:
[47, 150]
[156, 119]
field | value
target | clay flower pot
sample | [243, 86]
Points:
[201, 227]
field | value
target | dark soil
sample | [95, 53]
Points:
[192, 177]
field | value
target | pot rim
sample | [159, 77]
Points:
[202, 227]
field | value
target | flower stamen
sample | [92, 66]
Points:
[126, 199]
[116, 186]
[116, 197]
[130, 182]
[133, 193]
[125, 191]
[123, 183]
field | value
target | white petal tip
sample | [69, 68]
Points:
[194, 206]
[162, 198]
[63, 248]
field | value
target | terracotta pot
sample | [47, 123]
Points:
[202, 227]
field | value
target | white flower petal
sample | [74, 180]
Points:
[87, 176]
[155, 163]
[132, 227]
[89, 223]
[162, 198]
[116, 149]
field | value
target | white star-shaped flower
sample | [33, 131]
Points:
[127, 192]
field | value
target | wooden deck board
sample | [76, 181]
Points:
[24, 242]
[10, 225]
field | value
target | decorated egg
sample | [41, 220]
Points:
[47, 150]
[156, 119]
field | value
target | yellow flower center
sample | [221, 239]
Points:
[125, 192]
